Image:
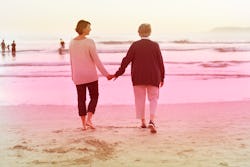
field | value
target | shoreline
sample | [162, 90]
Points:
[175, 90]
[122, 105]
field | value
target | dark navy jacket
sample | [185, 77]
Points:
[147, 66]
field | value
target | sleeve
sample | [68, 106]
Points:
[71, 64]
[161, 63]
[97, 60]
[125, 61]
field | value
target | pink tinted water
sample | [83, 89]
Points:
[191, 76]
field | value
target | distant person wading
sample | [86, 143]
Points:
[13, 47]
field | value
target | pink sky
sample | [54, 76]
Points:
[110, 16]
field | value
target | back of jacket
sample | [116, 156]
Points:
[147, 66]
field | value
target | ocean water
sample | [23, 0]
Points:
[200, 69]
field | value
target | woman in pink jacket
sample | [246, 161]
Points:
[84, 60]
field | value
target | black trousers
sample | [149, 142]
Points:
[81, 96]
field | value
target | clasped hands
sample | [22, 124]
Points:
[109, 77]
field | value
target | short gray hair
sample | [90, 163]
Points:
[144, 30]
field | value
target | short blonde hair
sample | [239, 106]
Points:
[144, 30]
[81, 25]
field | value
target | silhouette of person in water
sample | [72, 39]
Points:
[3, 46]
[8, 47]
[13, 48]
[61, 49]
[62, 43]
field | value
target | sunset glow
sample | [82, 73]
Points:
[110, 16]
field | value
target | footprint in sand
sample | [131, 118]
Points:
[58, 150]
[103, 150]
[243, 146]
[223, 164]
[93, 148]
[57, 131]
[21, 147]
[185, 152]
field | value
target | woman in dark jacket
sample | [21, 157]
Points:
[147, 72]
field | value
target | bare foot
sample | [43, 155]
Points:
[143, 125]
[84, 127]
[89, 123]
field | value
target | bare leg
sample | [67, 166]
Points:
[83, 122]
[152, 118]
[89, 120]
[143, 123]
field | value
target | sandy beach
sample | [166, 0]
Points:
[191, 135]
[203, 117]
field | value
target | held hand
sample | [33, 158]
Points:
[109, 77]
[161, 84]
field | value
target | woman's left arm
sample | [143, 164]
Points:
[161, 64]
[97, 60]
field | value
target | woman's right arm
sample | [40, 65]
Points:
[161, 63]
[125, 61]
[97, 60]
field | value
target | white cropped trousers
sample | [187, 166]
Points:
[140, 93]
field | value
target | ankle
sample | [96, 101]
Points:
[151, 122]
[143, 121]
